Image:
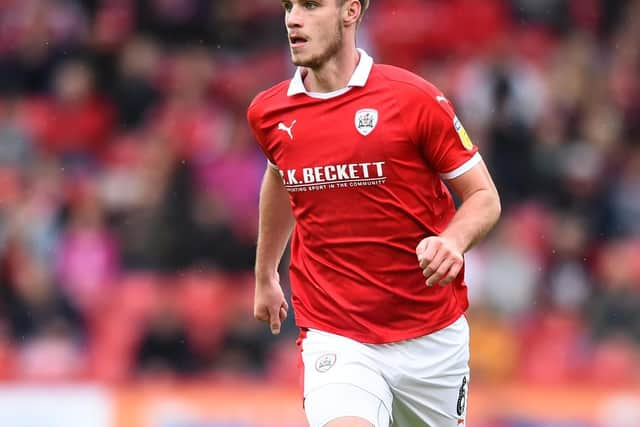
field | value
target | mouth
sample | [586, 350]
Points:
[296, 41]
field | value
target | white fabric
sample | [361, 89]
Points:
[464, 168]
[419, 381]
[344, 400]
[358, 78]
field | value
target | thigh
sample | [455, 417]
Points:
[430, 385]
[342, 379]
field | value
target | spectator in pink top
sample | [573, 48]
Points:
[88, 253]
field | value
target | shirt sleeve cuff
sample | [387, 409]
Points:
[464, 168]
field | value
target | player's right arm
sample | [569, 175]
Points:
[274, 229]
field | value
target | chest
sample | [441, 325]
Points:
[353, 130]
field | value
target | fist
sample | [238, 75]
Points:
[439, 260]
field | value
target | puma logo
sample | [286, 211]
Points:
[287, 129]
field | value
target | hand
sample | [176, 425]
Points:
[269, 304]
[439, 259]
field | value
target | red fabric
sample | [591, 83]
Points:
[405, 31]
[299, 341]
[354, 270]
[552, 356]
[79, 128]
[192, 129]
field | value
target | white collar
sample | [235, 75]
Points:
[358, 78]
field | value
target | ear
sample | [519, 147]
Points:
[351, 12]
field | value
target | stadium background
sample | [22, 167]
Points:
[128, 203]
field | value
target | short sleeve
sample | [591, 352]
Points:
[442, 138]
[253, 118]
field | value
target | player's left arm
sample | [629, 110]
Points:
[441, 257]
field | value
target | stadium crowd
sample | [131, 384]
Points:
[129, 182]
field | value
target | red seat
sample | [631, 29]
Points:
[615, 363]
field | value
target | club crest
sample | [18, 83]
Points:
[366, 120]
[325, 362]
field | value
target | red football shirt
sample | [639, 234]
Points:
[364, 168]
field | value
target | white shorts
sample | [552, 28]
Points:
[413, 383]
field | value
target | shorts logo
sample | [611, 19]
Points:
[462, 397]
[366, 120]
[462, 133]
[325, 362]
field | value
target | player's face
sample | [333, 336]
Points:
[314, 29]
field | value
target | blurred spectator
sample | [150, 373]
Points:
[231, 21]
[173, 21]
[624, 197]
[138, 185]
[615, 307]
[34, 302]
[511, 264]
[136, 90]
[512, 143]
[16, 147]
[33, 220]
[548, 13]
[34, 36]
[75, 121]
[129, 182]
[47, 328]
[567, 285]
[88, 255]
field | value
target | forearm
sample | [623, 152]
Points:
[275, 225]
[476, 216]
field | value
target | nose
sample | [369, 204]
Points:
[294, 17]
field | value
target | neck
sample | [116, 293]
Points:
[333, 74]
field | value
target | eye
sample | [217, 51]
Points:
[310, 5]
[286, 5]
